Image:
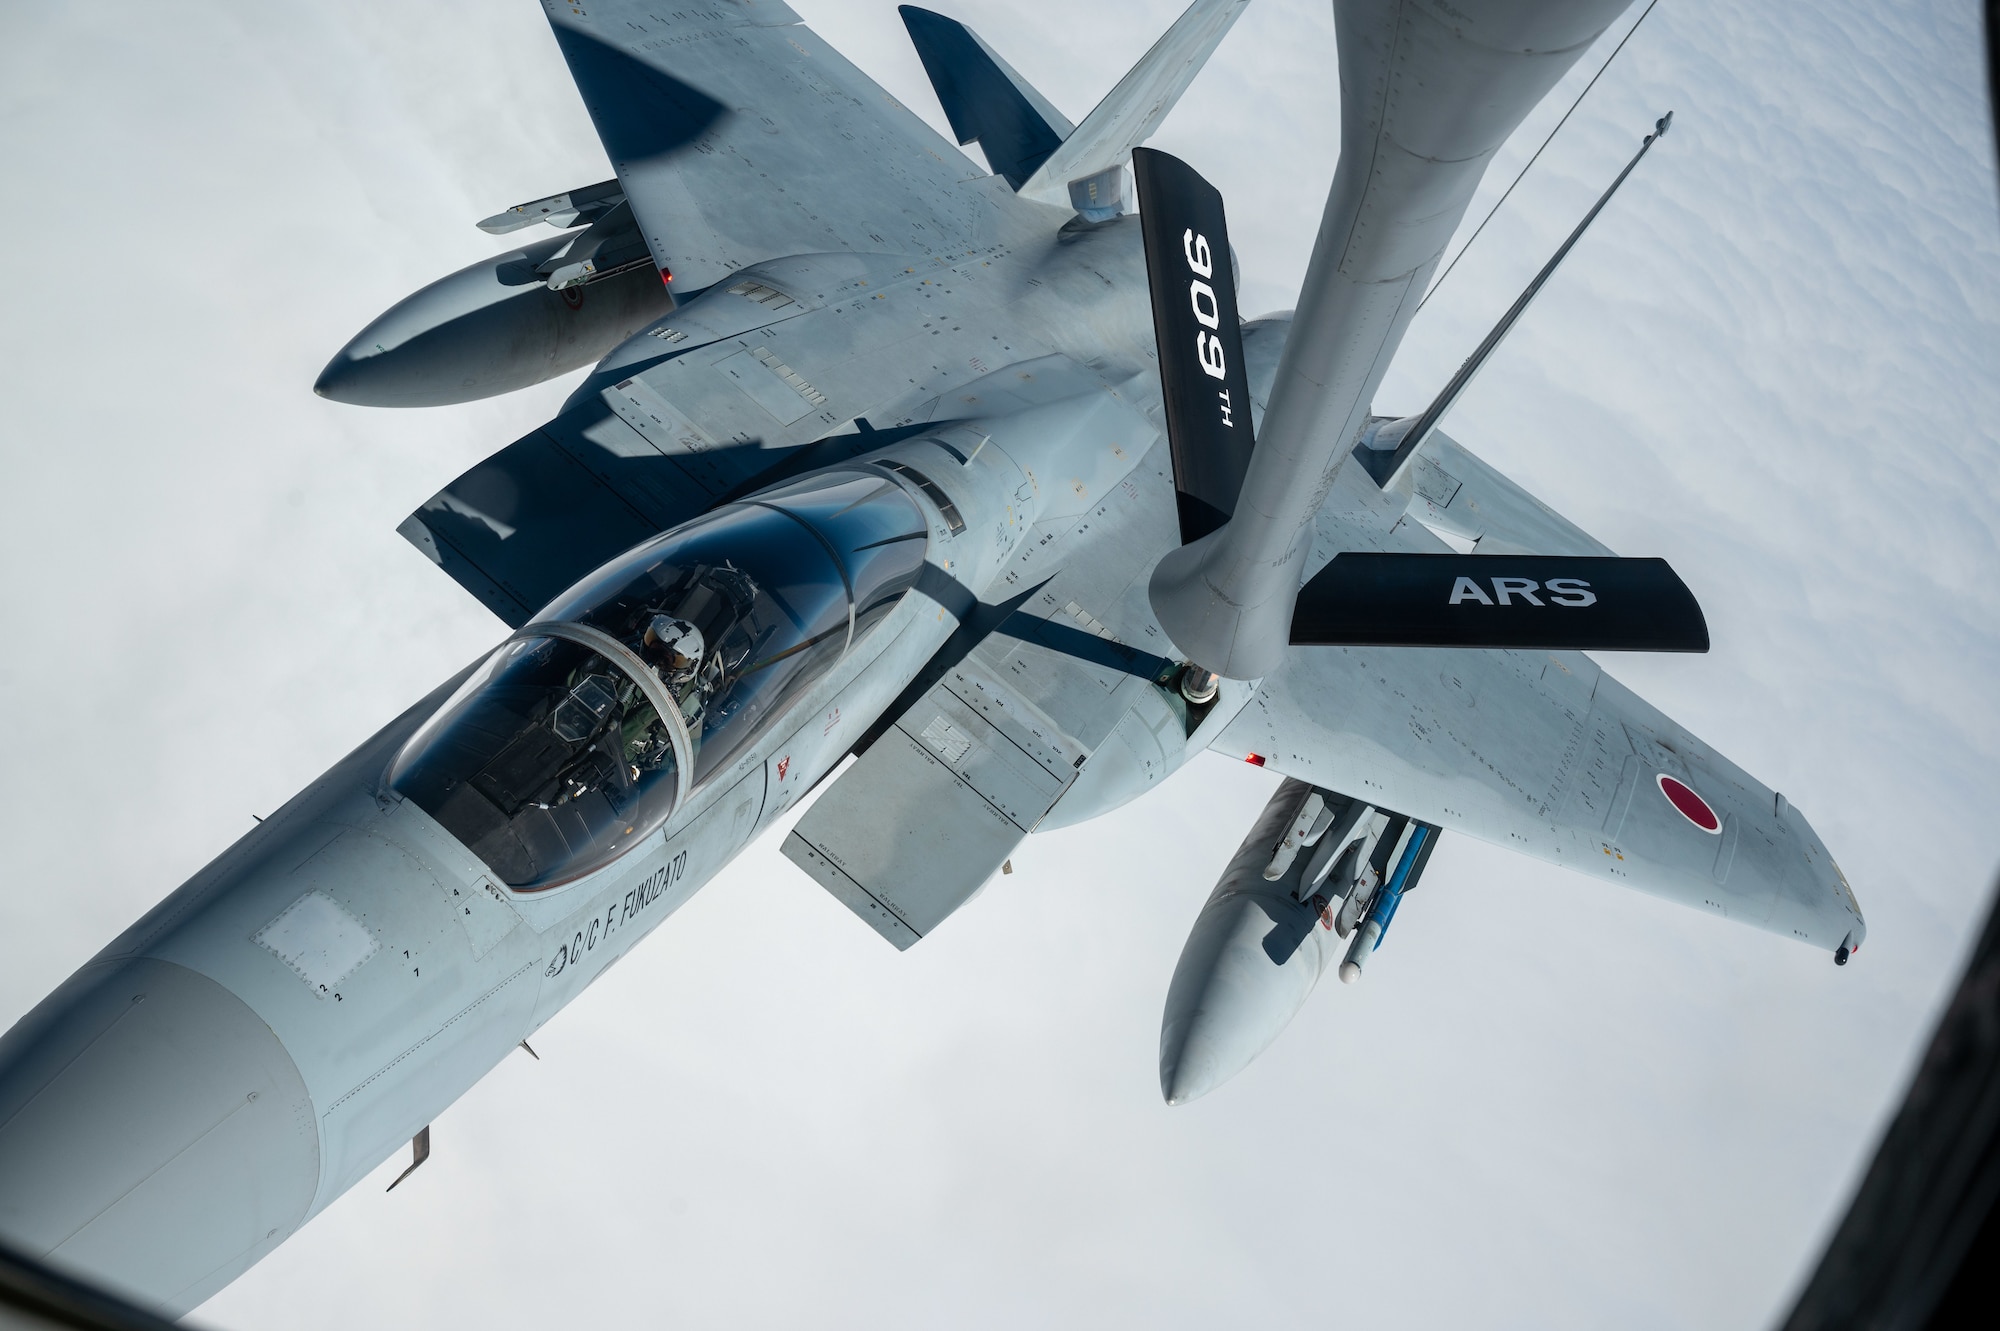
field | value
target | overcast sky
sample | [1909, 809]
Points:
[1550, 1104]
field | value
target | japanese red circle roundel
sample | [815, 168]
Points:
[1692, 806]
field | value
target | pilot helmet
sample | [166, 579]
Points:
[675, 641]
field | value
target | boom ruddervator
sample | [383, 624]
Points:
[578, 737]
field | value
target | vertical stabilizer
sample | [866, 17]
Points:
[984, 98]
[1130, 113]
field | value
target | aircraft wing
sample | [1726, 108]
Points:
[739, 135]
[1540, 752]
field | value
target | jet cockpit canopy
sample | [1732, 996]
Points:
[578, 737]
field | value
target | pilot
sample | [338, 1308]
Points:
[673, 647]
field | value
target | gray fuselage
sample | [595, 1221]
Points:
[291, 1016]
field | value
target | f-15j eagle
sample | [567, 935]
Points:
[952, 471]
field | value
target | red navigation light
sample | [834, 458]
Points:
[1254, 759]
[666, 276]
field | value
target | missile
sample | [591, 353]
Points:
[500, 324]
[1414, 852]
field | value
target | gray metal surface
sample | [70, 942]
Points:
[740, 135]
[194, 1143]
[936, 805]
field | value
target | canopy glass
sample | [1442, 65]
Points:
[575, 740]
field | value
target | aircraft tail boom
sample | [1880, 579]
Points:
[1426, 102]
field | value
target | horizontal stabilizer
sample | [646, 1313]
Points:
[984, 98]
[1527, 602]
[1130, 113]
[1202, 372]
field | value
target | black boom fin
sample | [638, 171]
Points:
[1525, 602]
[1200, 338]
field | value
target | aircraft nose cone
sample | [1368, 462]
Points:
[398, 361]
[332, 381]
[154, 1133]
[1195, 1058]
[363, 377]
[404, 359]
[1247, 968]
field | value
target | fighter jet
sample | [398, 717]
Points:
[977, 477]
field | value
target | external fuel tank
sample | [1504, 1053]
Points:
[490, 328]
